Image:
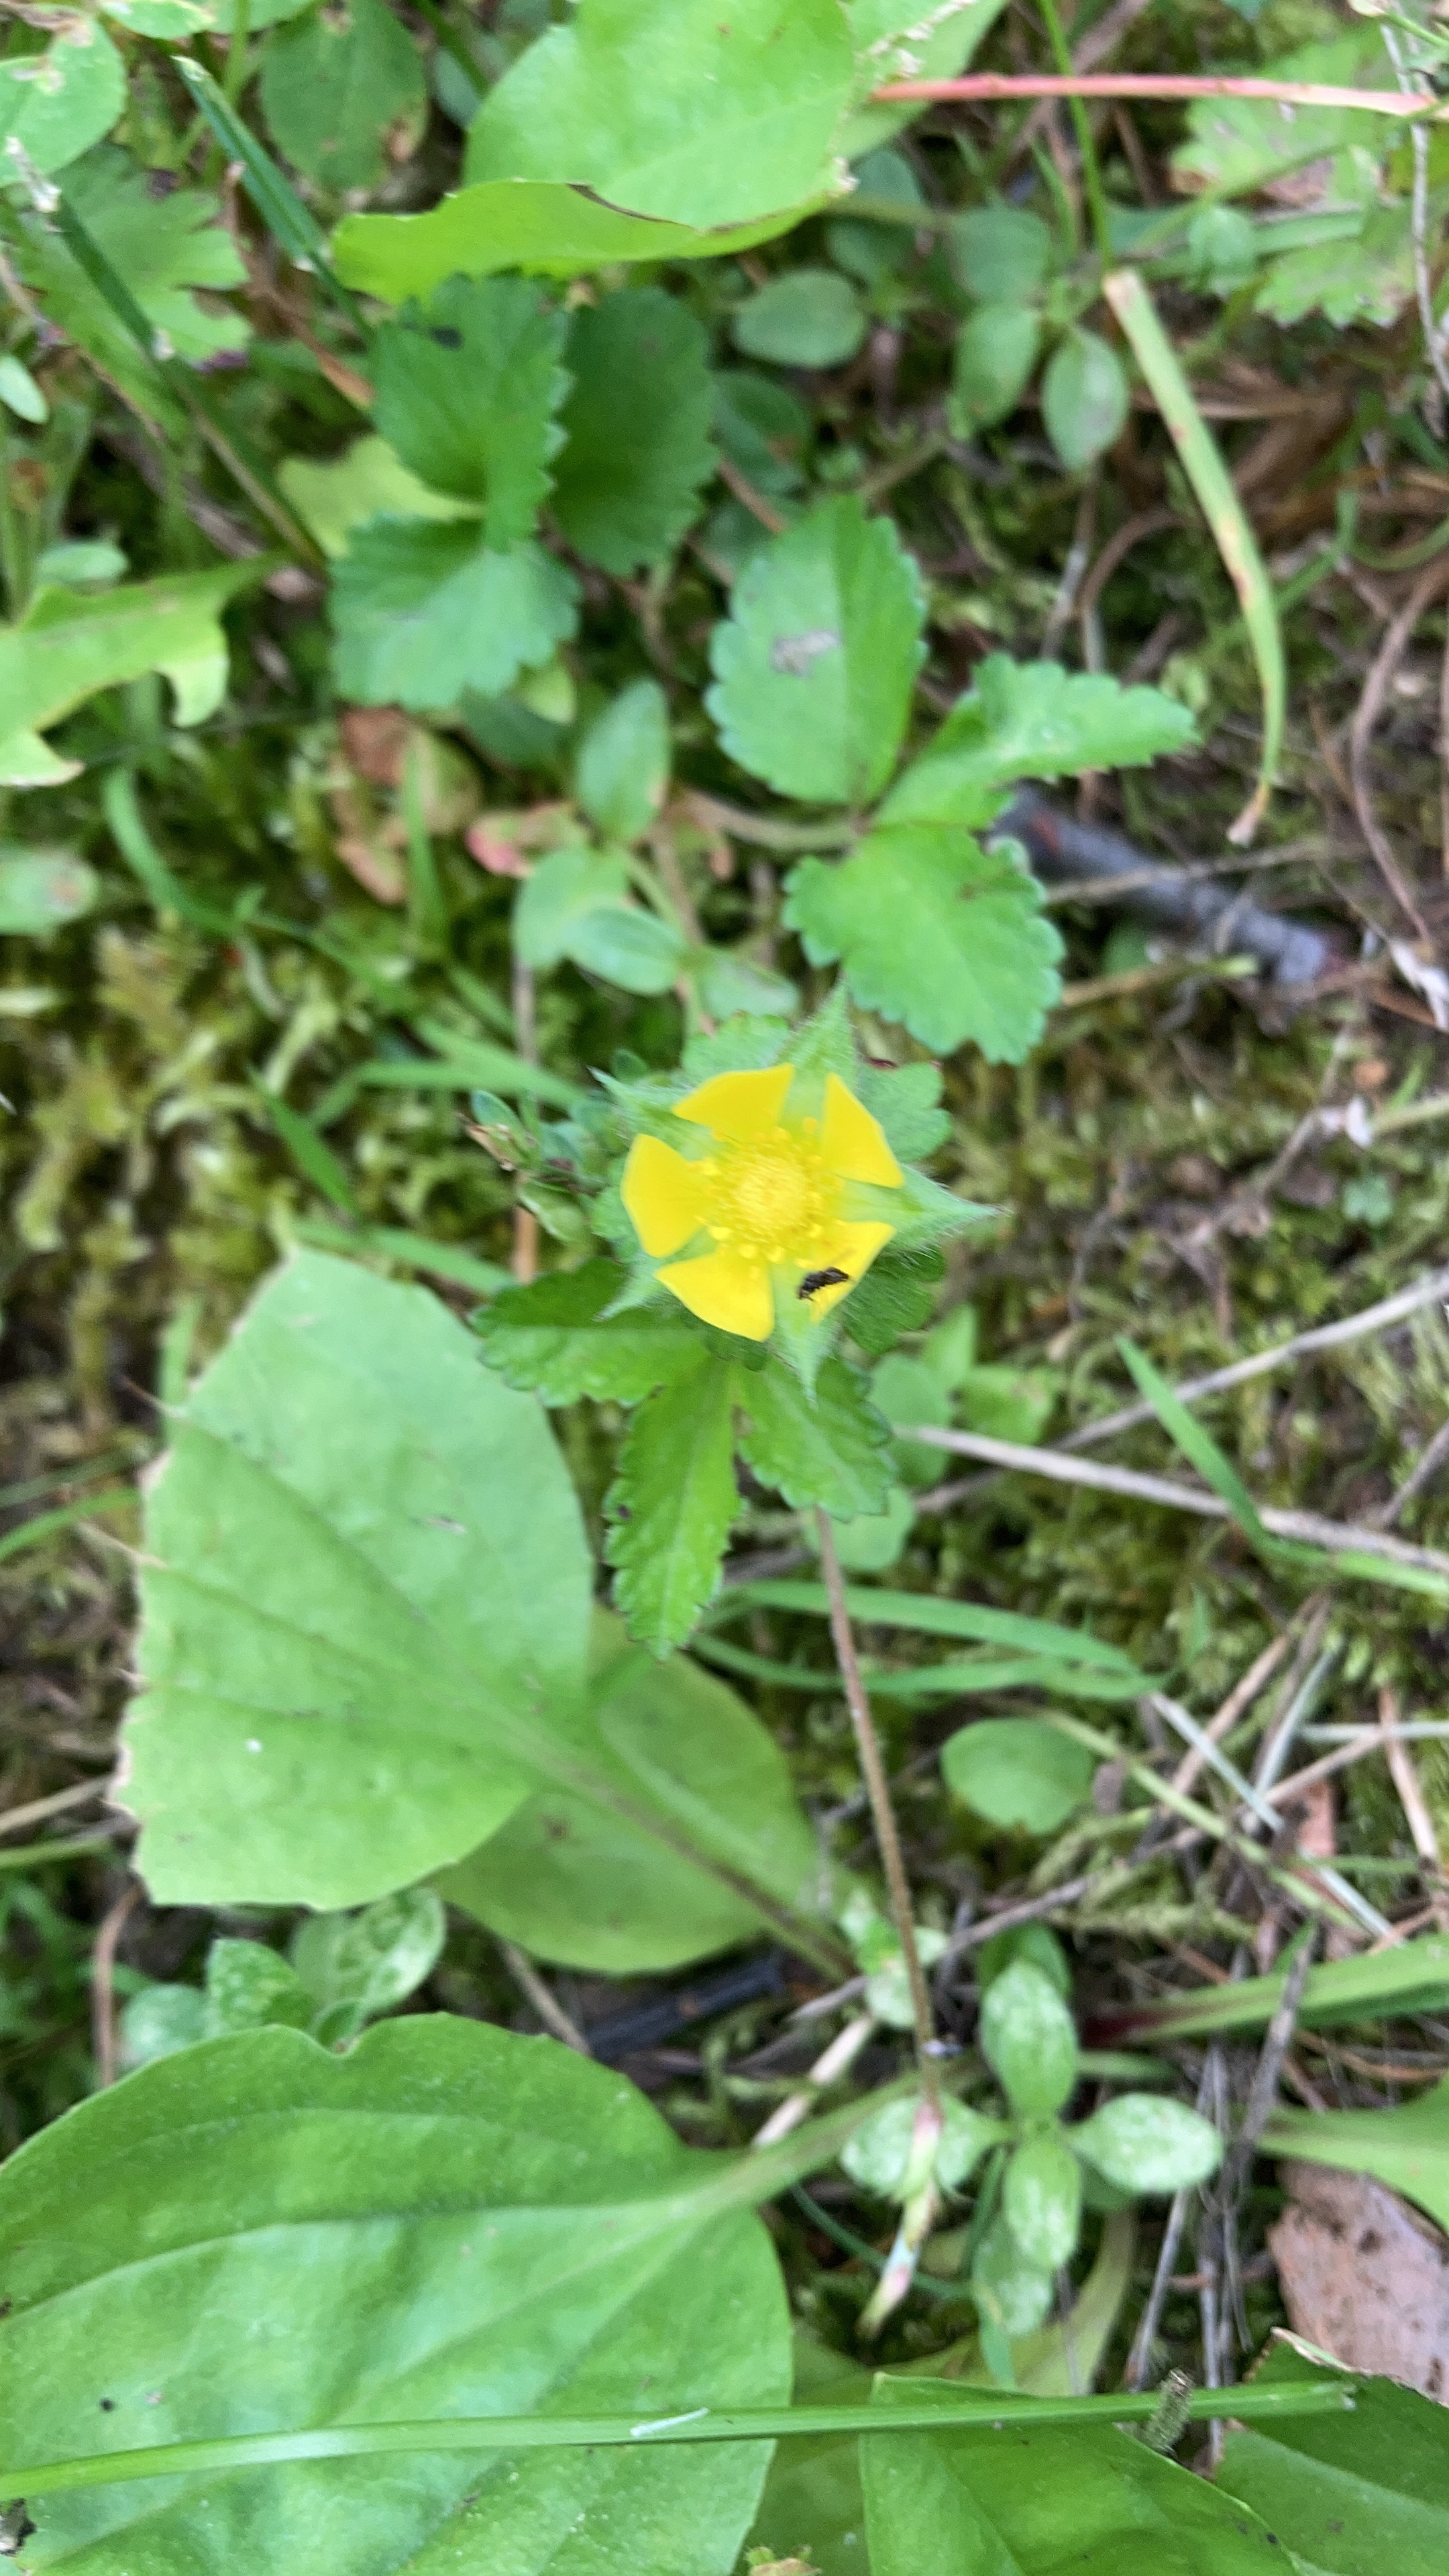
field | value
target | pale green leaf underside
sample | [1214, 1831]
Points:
[937, 933]
[447, 2220]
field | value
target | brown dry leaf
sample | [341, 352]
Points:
[1365, 2276]
[374, 739]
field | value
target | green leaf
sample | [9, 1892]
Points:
[878, 2153]
[1412, 1978]
[937, 1617]
[814, 666]
[1001, 254]
[906, 1098]
[370, 1961]
[482, 2222]
[339, 87]
[637, 424]
[67, 647]
[996, 351]
[174, 21]
[249, 1987]
[367, 481]
[56, 104]
[623, 762]
[666, 109]
[1353, 2497]
[894, 41]
[1369, 279]
[159, 2020]
[672, 1504]
[1197, 1445]
[630, 947]
[520, 223]
[1040, 2503]
[831, 1448]
[897, 1294]
[347, 1622]
[1017, 1773]
[564, 888]
[19, 391]
[1032, 720]
[936, 932]
[466, 395]
[1407, 2148]
[807, 317]
[1084, 399]
[1238, 145]
[1143, 2142]
[763, 428]
[41, 890]
[1028, 2039]
[423, 611]
[576, 1884]
[1041, 2201]
[1012, 2295]
[907, 1392]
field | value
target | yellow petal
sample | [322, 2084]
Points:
[725, 1289]
[739, 1106]
[664, 1194]
[851, 1248]
[852, 1142]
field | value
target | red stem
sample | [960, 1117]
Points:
[988, 85]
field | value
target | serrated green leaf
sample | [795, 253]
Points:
[807, 317]
[815, 665]
[522, 223]
[1238, 145]
[482, 2221]
[672, 1504]
[423, 611]
[623, 762]
[56, 104]
[588, 1889]
[1032, 720]
[1046, 2501]
[163, 246]
[467, 392]
[906, 1099]
[367, 481]
[1370, 279]
[832, 1448]
[996, 351]
[68, 646]
[667, 109]
[337, 86]
[934, 931]
[763, 428]
[1084, 399]
[897, 1295]
[637, 424]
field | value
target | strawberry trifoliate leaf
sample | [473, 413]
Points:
[467, 391]
[557, 1340]
[424, 611]
[637, 423]
[937, 933]
[815, 665]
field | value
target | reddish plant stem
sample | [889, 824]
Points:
[1186, 85]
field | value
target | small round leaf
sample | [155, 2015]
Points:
[1017, 1772]
[41, 890]
[1001, 254]
[878, 2155]
[809, 318]
[1083, 399]
[995, 354]
[1041, 2198]
[1028, 2039]
[1142, 2143]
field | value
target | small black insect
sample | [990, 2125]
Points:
[817, 1279]
[446, 336]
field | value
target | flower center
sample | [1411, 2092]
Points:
[771, 1198]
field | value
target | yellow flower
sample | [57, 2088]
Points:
[780, 1197]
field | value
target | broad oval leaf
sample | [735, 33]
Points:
[1353, 2494]
[56, 104]
[668, 109]
[1028, 2039]
[366, 1575]
[1033, 2503]
[808, 317]
[815, 664]
[1018, 1773]
[996, 351]
[341, 87]
[1000, 253]
[1041, 2198]
[623, 762]
[574, 1883]
[448, 2220]
[41, 890]
[627, 946]
[936, 932]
